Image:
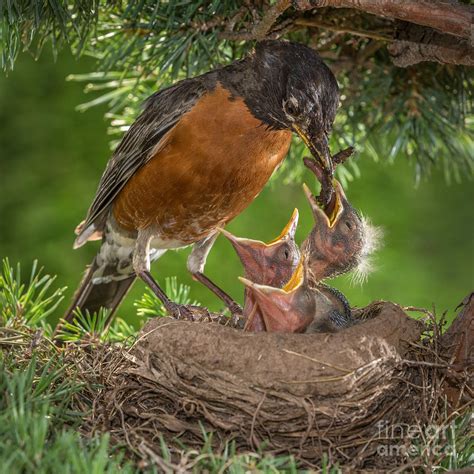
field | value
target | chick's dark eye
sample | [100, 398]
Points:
[285, 253]
[348, 225]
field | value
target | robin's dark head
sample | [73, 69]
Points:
[341, 239]
[293, 89]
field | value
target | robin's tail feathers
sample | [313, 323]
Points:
[91, 296]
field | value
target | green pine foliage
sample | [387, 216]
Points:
[28, 26]
[27, 303]
[86, 327]
[33, 412]
[37, 427]
[95, 328]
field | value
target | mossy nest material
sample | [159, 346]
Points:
[303, 394]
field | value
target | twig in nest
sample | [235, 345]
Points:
[417, 363]
[253, 439]
[342, 369]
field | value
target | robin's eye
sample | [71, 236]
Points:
[291, 107]
[348, 225]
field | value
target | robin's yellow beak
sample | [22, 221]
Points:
[319, 148]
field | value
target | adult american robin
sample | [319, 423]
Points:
[270, 263]
[195, 158]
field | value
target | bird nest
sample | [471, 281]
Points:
[302, 394]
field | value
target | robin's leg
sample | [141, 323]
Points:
[196, 263]
[141, 266]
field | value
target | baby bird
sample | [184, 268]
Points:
[270, 263]
[301, 306]
[341, 239]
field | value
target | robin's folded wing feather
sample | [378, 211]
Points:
[147, 134]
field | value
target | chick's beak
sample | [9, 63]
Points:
[279, 306]
[334, 208]
[252, 253]
[319, 147]
[289, 231]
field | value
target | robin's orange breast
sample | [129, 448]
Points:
[207, 170]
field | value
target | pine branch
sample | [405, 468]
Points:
[446, 16]
[413, 44]
[315, 22]
[260, 29]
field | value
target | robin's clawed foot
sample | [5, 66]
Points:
[235, 309]
[181, 311]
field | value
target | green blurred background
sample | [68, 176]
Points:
[51, 158]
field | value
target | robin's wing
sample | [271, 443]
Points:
[147, 134]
